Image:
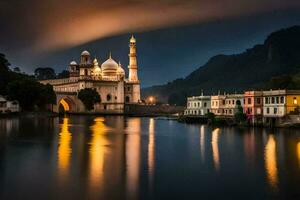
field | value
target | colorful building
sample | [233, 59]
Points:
[253, 105]
[218, 104]
[198, 105]
[278, 103]
[232, 104]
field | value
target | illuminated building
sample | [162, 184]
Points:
[198, 105]
[253, 105]
[108, 79]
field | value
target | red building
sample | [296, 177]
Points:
[253, 106]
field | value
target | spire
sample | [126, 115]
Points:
[132, 39]
[110, 54]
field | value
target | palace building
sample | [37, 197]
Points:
[108, 79]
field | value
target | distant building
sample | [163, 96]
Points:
[198, 105]
[217, 104]
[253, 106]
[278, 103]
[232, 103]
[8, 106]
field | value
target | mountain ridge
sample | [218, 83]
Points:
[252, 69]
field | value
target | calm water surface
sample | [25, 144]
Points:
[144, 158]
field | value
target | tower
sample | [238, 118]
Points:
[133, 76]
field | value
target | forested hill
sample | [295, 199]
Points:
[254, 68]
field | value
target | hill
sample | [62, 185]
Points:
[262, 66]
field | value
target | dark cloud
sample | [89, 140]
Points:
[47, 25]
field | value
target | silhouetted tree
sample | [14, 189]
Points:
[44, 73]
[63, 74]
[89, 97]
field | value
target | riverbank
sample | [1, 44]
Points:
[29, 114]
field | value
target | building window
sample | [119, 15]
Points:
[275, 110]
[266, 100]
[273, 100]
[258, 100]
[281, 99]
[128, 89]
[277, 99]
[198, 104]
[205, 104]
[238, 102]
[108, 97]
[233, 102]
[268, 110]
[295, 100]
[223, 102]
[249, 100]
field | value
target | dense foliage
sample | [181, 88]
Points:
[25, 89]
[269, 65]
[89, 97]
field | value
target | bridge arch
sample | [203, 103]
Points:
[66, 104]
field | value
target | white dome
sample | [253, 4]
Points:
[85, 53]
[120, 69]
[109, 66]
[73, 63]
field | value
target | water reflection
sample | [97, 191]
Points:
[298, 152]
[271, 162]
[133, 145]
[64, 148]
[97, 152]
[151, 150]
[202, 143]
[215, 148]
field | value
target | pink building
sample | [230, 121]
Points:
[253, 105]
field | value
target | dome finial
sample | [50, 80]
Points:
[132, 39]
[110, 54]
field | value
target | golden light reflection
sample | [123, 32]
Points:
[271, 162]
[202, 143]
[215, 148]
[133, 145]
[64, 148]
[65, 105]
[151, 150]
[298, 152]
[97, 151]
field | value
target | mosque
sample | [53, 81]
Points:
[109, 79]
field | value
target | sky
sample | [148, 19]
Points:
[174, 37]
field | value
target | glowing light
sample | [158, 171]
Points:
[133, 145]
[151, 100]
[271, 162]
[64, 149]
[215, 148]
[65, 105]
[151, 150]
[97, 151]
[298, 152]
[202, 143]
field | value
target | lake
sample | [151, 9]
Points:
[116, 157]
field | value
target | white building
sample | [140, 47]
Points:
[198, 105]
[274, 103]
[108, 79]
[8, 106]
[232, 103]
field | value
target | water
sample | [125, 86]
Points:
[144, 158]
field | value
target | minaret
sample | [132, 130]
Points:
[133, 76]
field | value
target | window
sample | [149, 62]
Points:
[198, 104]
[266, 100]
[233, 102]
[273, 100]
[281, 99]
[295, 100]
[268, 110]
[205, 104]
[275, 110]
[249, 100]
[86, 72]
[248, 111]
[277, 99]
[238, 102]
[258, 100]
[223, 102]
[108, 97]
[128, 89]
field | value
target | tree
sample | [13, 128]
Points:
[30, 93]
[4, 73]
[89, 97]
[64, 74]
[17, 70]
[44, 73]
[240, 116]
